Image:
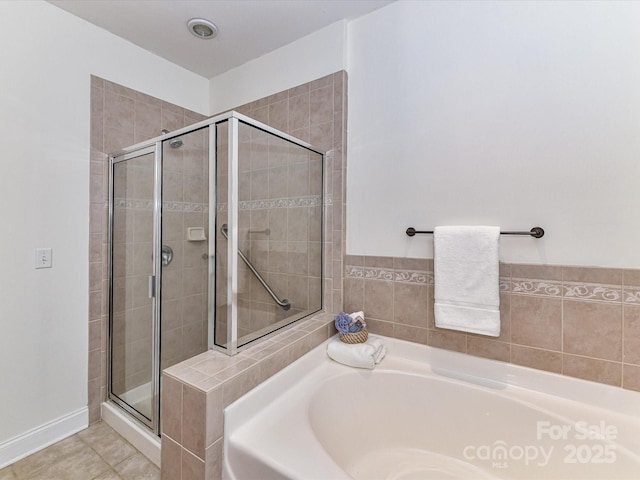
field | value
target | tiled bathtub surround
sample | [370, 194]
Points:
[578, 321]
[195, 392]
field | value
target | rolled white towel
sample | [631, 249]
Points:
[379, 355]
[359, 355]
[358, 316]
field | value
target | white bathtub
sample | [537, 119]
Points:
[426, 413]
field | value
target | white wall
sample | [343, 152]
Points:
[46, 59]
[311, 57]
[502, 113]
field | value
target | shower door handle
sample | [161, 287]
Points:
[152, 286]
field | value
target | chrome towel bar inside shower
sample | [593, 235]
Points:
[535, 232]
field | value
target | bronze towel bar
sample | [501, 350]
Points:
[536, 232]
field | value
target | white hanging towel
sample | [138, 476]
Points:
[466, 271]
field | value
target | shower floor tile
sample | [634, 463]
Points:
[96, 453]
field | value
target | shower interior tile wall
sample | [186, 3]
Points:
[120, 117]
[577, 321]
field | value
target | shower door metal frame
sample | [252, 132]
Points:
[154, 282]
[155, 146]
[232, 231]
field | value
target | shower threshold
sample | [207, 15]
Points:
[137, 435]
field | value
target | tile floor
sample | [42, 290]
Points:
[96, 453]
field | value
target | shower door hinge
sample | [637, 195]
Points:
[152, 286]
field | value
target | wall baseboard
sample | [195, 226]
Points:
[29, 442]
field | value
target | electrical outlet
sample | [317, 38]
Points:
[43, 258]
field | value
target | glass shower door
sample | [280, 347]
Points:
[159, 262]
[132, 272]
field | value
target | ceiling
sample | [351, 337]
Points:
[247, 28]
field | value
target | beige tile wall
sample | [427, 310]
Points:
[121, 117]
[577, 321]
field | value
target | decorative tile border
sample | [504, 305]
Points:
[368, 273]
[136, 204]
[536, 287]
[570, 290]
[353, 272]
[185, 207]
[293, 202]
[414, 276]
[389, 274]
[286, 202]
[133, 204]
[632, 295]
[586, 291]
[520, 286]
[402, 276]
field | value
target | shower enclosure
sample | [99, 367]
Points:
[215, 241]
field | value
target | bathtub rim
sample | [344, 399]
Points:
[467, 368]
[422, 359]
